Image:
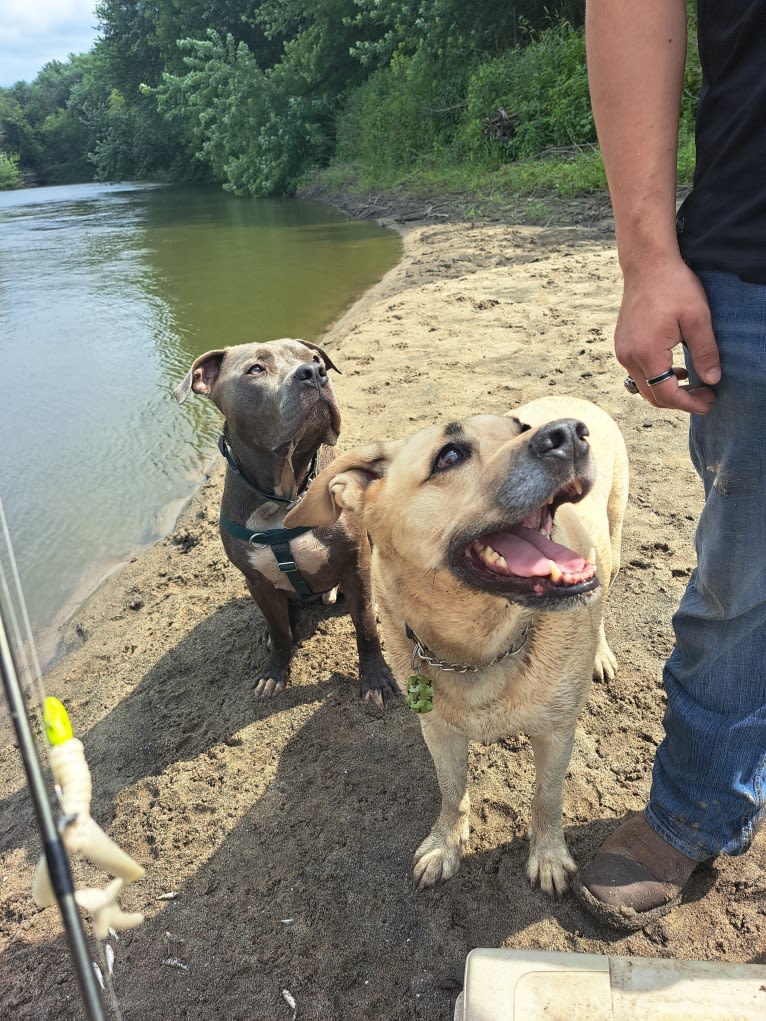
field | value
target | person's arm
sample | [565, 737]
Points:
[636, 53]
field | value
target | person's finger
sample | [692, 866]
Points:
[667, 393]
[699, 339]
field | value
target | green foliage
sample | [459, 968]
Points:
[403, 114]
[421, 110]
[543, 141]
[542, 87]
[451, 29]
[9, 171]
[523, 189]
[134, 142]
[565, 175]
[259, 98]
[691, 91]
[258, 121]
[16, 133]
[258, 95]
[42, 124]
[247, 131]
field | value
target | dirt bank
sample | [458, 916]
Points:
[286, 828]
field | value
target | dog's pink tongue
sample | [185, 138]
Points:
[527, 553]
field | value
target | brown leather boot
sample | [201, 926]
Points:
[634, 878]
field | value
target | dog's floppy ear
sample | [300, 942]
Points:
[325, 357]
[201, 375]
[341, 486]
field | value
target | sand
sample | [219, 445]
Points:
[285, 828]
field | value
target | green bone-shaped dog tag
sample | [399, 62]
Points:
[420, 693]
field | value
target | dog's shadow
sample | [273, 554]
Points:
[172, 714]
[315, 886]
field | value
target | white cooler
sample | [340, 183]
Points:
[535, 985]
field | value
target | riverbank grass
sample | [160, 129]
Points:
[480, 189]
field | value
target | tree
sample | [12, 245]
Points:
[39, 123]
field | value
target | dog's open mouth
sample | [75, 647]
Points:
[523, 561]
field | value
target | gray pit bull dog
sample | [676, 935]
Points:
[281, 419]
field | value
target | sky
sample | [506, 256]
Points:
[32, 32]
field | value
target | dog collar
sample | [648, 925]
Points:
[223, 446]
[424, 654]
[420, 687]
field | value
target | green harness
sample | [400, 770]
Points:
[278, 539]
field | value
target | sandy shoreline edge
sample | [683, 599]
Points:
[52, 641]
[111, 589]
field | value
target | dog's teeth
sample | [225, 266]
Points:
[578, 487]
[556, 574]
[490, 556]
[592, 555]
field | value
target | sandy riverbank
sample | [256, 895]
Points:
[286, 828]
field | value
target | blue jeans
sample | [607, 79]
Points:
[709, 783]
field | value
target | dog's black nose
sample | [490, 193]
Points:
[566, 438]
[313, 373]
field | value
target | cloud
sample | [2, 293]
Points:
[32, 32]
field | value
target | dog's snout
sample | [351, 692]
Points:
[566, 439]
[313, 373]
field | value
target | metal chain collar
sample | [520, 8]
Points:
[421, 652]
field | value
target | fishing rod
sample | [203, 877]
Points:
[55, 853]
[75, 831]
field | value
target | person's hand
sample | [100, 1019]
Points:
[664, 304]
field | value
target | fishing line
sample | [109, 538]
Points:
[20, 669]
[23, 646]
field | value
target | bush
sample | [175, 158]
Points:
[9, 171]
[543, 90]
[403, 115]
[422, 117]
[419, 111]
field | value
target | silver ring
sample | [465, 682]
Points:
[654, 380]
[630, 385]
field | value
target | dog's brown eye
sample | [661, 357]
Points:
[448, 457]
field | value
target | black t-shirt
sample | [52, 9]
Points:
[722, 223]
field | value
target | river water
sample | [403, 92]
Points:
[107, 294]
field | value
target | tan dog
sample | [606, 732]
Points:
[494, 543]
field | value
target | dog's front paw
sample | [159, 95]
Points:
[605, 666]
[549, 866]
[378, 685]
[268, 687]
[270, 682]
[438, 857]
